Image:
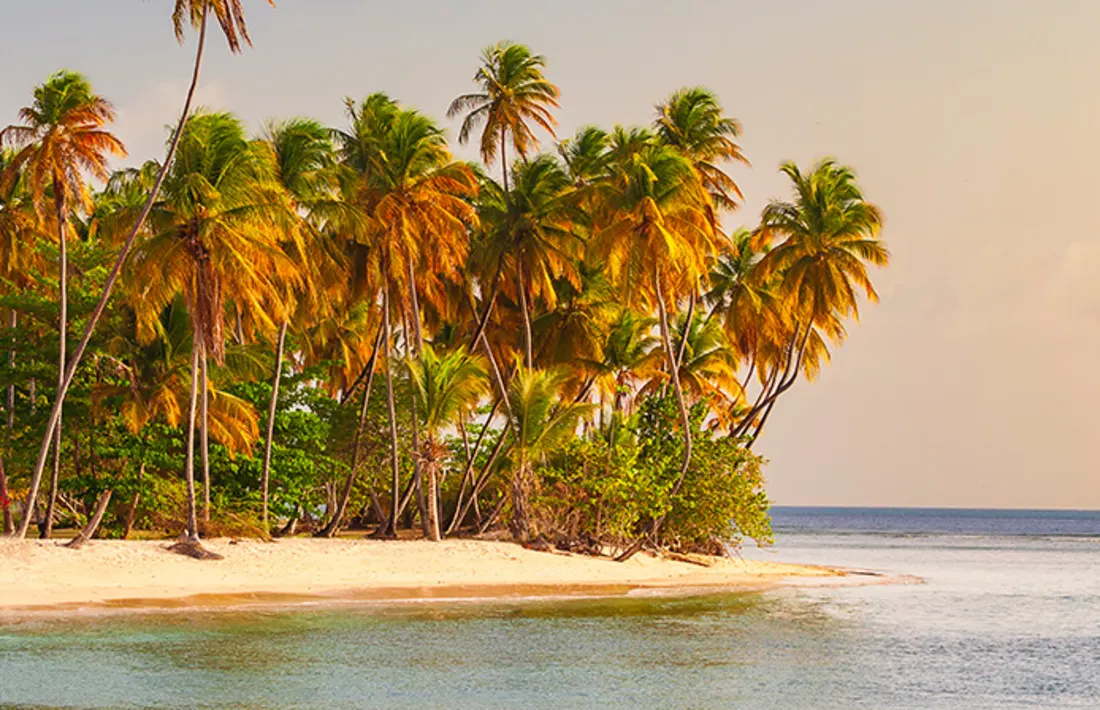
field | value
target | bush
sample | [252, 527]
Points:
[596, 493]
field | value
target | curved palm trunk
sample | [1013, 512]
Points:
[529, 358]
[494, 291]
[63, 325]
[685, 419]
[333, 525]
[189, 462]
[112, 279]
[395, 507]
[93, 523]
[418, 473]
[265, 477]
[204, 437]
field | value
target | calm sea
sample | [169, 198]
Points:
[1008, 617]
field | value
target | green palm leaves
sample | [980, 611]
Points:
[447, 386]
[514, 94]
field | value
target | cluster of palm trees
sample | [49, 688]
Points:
[530, 309]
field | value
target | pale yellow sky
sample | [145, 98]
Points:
[974, 124]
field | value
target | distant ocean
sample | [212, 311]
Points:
[1008, 616]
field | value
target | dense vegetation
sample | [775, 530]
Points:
[327, 327]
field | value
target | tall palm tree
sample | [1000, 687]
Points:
[514, 93]
[304, 157]
[230, 16]
[447, 388]
[216, 238]
[529, 236]
[692, 121]
[656, 237]
[541, 422]
[62, 137]
[415, 205]
[827, 236]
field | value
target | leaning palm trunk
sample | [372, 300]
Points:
[418, 474]
[63, 324]
[333, 525]
[112, 278]
[685, 419]
[204, 437]
[395, 504]
[189, 464]
[529, 359]
[93, 523]
[265, 477]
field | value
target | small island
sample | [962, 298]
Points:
[308, 331]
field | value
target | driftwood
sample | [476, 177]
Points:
[193, 548]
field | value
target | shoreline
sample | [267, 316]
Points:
[40, 577]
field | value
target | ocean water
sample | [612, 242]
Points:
[1008, 616]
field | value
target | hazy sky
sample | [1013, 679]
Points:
[974, 124]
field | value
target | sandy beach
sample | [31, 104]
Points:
[143, 574]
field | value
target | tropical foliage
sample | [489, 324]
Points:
[316, 328]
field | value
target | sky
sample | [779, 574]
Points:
[974, 124]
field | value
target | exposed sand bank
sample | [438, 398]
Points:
[143, 574]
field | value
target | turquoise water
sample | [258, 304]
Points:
[1006, 620]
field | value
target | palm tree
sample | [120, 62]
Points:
[414, 200]
[655, 238]
[708, 366]
[529, 234]
[827, 234]
[691, 120]
[62, 137]
[230, 16]
[216, 238]
[446, 387]
[304, 157]
[541, 422]
[514, 93]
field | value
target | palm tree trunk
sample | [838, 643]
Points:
[471, 455]
[433, 498]
[93, 523]
[109, 285]
[529, 358]
[521, 519]
[504, 158]
[204, 437]
[418, 473]
[494, 291]
[415, 299]
[685, 419]
[271, 407]
[396, 471]
[189, 462]
[63, 325]
[333, 524]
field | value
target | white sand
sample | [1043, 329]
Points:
[140, 574]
